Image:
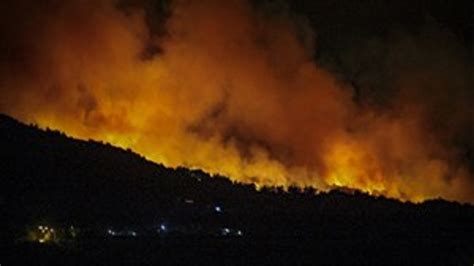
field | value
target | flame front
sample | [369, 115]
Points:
[233, 92]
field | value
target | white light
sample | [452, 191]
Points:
[217, 209]
[239, 232]
[40, 227]
[163, 227]
[225, 231]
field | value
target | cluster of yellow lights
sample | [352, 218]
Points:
[46, 234]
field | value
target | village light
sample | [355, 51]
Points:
[225, 231]
[111, 232]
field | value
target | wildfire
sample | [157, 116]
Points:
[234, 92]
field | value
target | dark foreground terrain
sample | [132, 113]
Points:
[109, 206]
[244, 251]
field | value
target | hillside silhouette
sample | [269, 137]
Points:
[48, 177]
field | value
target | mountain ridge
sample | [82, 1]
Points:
[49, 178]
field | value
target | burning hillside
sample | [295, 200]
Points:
[232, 88]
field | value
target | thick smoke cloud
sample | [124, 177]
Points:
[231, 87]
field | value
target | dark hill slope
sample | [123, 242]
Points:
[47, 176]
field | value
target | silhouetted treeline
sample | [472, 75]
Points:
[48, 177]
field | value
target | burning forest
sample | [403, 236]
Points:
[249, 90]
